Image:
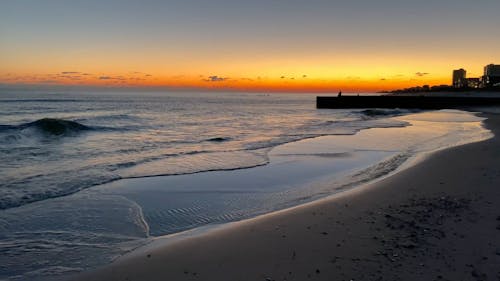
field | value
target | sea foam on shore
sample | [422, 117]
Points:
[142, 208]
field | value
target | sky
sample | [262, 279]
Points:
[258, 45]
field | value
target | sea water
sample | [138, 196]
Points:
[76, 170]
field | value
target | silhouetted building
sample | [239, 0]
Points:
[491, 75]
[438, 88]
[459, 80]
[473, 82]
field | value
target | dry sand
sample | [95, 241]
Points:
[438, 220]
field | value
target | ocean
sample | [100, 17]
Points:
[87, 175]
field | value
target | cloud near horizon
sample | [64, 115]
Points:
[141, 73]
[69, 75]
[111, 78]
[421, 74]
[216, 78]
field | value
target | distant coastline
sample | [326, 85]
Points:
[443, 89]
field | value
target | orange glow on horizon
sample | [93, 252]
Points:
[291, 83]
[247, 46]
[284, 72]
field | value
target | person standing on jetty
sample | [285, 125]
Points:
[340, 93]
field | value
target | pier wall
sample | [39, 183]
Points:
[417, 102]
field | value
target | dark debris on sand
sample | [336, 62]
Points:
[410, 239]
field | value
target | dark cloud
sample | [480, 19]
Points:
[382, 79]
[304, 76]
[282, 77]
[70, 75]
[115, 79]
[215, 78]
[420, 74]
[111, 78]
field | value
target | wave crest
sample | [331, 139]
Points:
[56, 127]
[219, 139]
[49, 126]
[386, 112]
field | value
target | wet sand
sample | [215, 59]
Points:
[438, 220]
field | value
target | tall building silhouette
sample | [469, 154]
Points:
[491, 75]
[459, 80]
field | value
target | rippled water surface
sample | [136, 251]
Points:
[87, 176]
[52, 144]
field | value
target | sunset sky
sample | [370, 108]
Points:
[258, 45]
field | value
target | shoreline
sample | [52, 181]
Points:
[117, 218]
[279, 245]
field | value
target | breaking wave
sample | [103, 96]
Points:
[49, 126]
[219, 139]
[386, 112]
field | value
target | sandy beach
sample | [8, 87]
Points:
[249, 140]
[438, 220]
